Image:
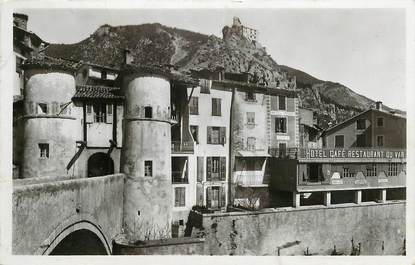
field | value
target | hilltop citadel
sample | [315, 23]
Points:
[146, 159]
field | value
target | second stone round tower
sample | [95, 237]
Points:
[146, 155]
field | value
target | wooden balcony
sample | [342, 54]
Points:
[252, 180]
[356, 181]
[182, 147]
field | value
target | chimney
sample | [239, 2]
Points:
[20, 20]
[128, 58]
[379, 105]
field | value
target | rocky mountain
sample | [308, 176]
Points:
[191, 51]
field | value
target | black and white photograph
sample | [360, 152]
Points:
[219, 131]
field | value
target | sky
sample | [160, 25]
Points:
[363, 49]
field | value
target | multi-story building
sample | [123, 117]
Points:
[374, 128]
[362, 159]
[310, 132]
[25, 45]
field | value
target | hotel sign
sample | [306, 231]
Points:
[352, 153]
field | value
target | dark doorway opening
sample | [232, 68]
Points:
[315, 172]
[100, 164]
[396, 194]
[80, 242]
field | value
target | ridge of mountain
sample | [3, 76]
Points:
[191, 51]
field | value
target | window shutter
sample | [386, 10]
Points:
[284, 125]
[55, 108]
[222, 196]
[89, 114]
[208, 196]
[199, 195]
[109, 117]
[274, 103]
[200, 168]
[276, 124]
[222, 168]
[209, 169]
[176, 197]
[209, 135]
[222, 135]
[182, 196]
[218, 107]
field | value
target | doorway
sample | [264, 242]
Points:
[100, 164]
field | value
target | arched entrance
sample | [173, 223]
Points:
[80, 242]
[100, 164]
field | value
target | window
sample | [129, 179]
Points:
[205, 86]
[215, 197]
[393, 169]
[100, 111]
[339, 141]
[360, 140]
[44, 150]
[179, 197]
[281, 125]
[194, 130]
[379, 140]
[194, 106]
[250, 96]
[361, 124]
[148, 168]
[216, 135]
[371, 170]
[251, 143]
[250, 118]
[281, 103]
[42, 108]
[148, 112]
[216, 168]
[216, 108]
[347, 173]
[379, 122]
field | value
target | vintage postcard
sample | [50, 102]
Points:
[271, 129]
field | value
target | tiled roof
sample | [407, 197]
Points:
[162, 70]
[97, 92]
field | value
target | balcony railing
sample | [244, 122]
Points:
[325, 153]
[177, 177]
[182, 146]
[291, 153]
[353, 180]
[251, 179]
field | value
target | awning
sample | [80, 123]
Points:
[257, 153]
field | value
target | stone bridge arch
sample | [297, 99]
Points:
[84, 226]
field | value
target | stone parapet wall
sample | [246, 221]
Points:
[48, 210]
[378, 227]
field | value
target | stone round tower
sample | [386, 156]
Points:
[50, 126]
[146, 155]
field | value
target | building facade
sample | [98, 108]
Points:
[362, 159]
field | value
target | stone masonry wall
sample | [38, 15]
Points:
[379, 228]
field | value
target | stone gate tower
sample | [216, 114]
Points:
[146, 154]
[50, 125]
